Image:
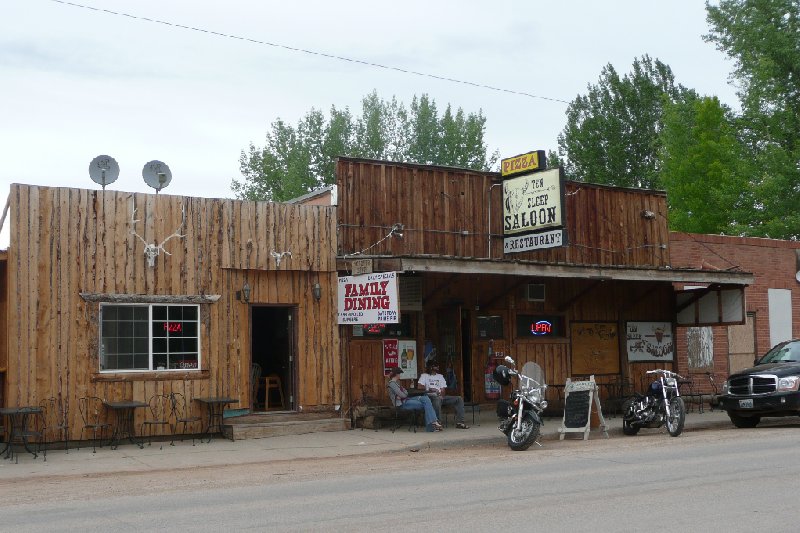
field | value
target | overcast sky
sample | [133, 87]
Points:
[78, 82]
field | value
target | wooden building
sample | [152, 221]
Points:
[227, 285]
[460, 294]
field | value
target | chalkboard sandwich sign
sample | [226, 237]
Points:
[578, 408]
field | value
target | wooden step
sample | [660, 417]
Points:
[240, 430]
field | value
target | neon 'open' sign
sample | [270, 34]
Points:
[542, 327]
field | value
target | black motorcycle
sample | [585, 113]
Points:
[520, 418]
[661, 405]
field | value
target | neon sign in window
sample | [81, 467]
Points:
[540, 326]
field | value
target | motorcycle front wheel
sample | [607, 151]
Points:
[677, 416]
[522, 438]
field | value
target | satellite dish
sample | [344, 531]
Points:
[157, 175]
[797, 276]
[103, 170]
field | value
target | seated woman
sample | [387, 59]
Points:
[400, 398]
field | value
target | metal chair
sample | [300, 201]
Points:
[619, 392]
[181, 415]
[691, 395]
[54, 421]
[92, 410]
[159, 408]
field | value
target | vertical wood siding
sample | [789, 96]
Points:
[65, 242]
[446, 212]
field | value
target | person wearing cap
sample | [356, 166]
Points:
[400, 398]
[436, 386]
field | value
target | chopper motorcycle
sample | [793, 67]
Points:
[521, 419]
[661, 405]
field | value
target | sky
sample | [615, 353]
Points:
[79, 82]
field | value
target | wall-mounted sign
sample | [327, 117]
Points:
[523, 163]
[361, 266]
[368, 299]
[533, 202]
[401, 354]
[535, 241]
[649, 341]
[595, 348]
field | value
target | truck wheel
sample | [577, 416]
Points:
[744, 421]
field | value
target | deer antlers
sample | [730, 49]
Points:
[278, 256]
[151, 251]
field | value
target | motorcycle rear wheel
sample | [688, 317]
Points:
[677, 416]
[522, 438]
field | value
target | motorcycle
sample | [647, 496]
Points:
[661, 405]
[521, 419]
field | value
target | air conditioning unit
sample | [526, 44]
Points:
[535, 292]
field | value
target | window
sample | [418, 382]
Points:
[144, 337]
[490, 327]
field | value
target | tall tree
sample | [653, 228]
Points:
[704, 169]
[296, 160]
[762, 36]
[612, 132]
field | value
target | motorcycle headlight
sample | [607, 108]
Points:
[789, 383]
[670, 382]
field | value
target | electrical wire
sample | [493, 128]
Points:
[313, 52]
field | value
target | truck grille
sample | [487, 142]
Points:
[752, 385]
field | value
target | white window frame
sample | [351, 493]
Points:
[150, 363]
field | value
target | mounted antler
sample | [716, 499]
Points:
[151, 251]
[278, 256]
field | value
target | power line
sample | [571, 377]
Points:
[313, 52]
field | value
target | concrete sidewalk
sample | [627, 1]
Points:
[221, 452]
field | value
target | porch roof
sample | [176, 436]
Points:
[457, 265]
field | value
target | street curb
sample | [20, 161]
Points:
[466, 441]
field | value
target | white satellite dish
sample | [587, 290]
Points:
[157, 175]
[797, 276]
[103, 170]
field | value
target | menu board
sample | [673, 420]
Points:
[578, 408]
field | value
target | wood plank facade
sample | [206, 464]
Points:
[71, 250]
[615, 269]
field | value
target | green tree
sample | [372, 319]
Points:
[612, 132]
[762, 36]
[296, 160]
[703, 168]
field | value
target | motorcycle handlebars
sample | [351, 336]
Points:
[667, 373]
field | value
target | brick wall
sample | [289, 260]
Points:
[774, 264]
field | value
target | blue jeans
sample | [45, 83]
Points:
[421, 403]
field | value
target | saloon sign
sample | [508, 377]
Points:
[533, 203]
[368, 299]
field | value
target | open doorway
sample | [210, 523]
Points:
[272, 348]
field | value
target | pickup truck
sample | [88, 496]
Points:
[770, 388]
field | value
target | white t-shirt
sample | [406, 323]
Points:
[433, 381]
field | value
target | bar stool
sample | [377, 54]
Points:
[273, 382]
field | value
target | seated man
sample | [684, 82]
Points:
[400, 398]
[435, 384]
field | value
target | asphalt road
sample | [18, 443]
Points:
[727, 481]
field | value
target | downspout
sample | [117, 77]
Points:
[489, 254]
